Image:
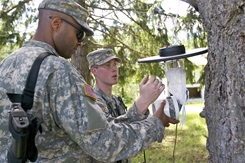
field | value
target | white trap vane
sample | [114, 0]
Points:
[170, 58]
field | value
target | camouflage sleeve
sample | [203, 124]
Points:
[81, 118]
[69, 99]
[122, 140]
[131, 115]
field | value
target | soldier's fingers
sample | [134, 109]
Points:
[152, 79]
[160, 85]
[144, 80]
[166, 125]
[173, 121]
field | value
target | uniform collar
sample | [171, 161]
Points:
[102, 93]
[43, 45]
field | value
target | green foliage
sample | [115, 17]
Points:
[133, 29]
[192, 25]
[190, 146]
[15, 17]
[142, 35]
[189, 67]
[130, 93]
[5, 51]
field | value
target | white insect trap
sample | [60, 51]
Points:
[171, 60]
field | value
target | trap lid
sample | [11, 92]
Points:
[173, 52]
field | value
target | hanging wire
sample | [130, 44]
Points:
[175, 142]
[144, 157]
[175, 39]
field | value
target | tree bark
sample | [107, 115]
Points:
[79, 59]
[80, 62]
[224, 21]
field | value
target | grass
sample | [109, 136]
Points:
[190, 144]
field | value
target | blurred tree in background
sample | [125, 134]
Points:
[16, 18]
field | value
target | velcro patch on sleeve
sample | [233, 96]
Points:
[88, 90]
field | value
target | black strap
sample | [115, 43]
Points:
[27, 103]
[28, 93]
[122, 103]
[26, 142]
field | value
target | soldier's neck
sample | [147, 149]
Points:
[107, 89]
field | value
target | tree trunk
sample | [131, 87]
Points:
[80, 62]
[79, 59]
[224, 21]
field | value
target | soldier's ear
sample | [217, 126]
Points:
[56, 22]
[93, 70]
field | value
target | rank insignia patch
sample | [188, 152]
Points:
[89, 91]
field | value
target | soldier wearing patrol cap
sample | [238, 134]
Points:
[71, 8]
[104, 67]
[101, 56]
[74, 129]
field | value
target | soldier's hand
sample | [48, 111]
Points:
[149, 92]
[159, 113]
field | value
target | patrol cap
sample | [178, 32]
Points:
[101, 56]
[71, 8]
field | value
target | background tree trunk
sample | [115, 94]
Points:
[224, 21]
[80, 62]
[79, 59]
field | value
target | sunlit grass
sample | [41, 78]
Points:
[190, 147]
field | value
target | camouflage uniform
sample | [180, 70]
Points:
[112, 105]
[114, 108]
[74, 127]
